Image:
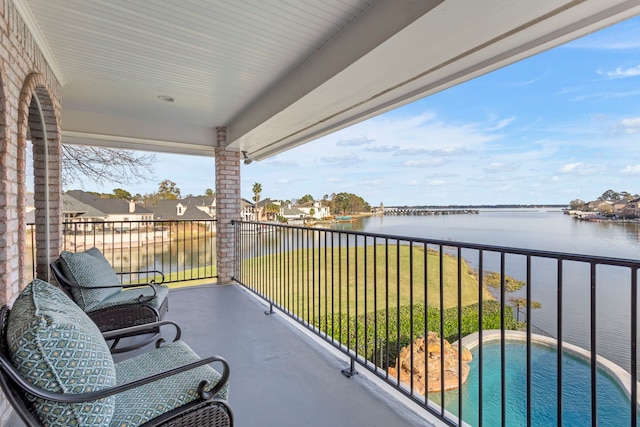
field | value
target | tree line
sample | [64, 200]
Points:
[167, 190]
[609, 195]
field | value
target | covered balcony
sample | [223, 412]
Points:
[248, 80]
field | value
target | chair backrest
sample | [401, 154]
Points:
[12, 391]
[87, 273]
[61, 280]
[50, 343]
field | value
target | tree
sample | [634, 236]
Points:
[119, 193]
[305, 199]
[102, 165]
[168, 190]
[257, 189]
[577, 204]
[610, 195]
[312, 212]
[209, 193]
[344, 203]
[271, 210]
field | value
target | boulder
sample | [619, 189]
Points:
[430, 379]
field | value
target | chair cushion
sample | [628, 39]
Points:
[130, 296]
[89, 269]
[142, 404]
[55, 346]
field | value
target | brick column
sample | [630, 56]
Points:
[227, 205]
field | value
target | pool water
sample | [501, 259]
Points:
[613, 404]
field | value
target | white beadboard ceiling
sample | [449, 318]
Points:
[278, 73]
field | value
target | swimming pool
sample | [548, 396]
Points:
[613, 403]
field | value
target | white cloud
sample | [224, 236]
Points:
[631, 170]
[580, 168]
[451, 151]
[410, 152]
[340, 159]
[282, 163]
[621, 73]
[355, 141]
[501, 124]
[438, 182]
[423, 163]
[333, 179]
[501, 167]
[629, 125]
[383, 149]
[283, 181]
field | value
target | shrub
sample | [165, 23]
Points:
[372, 338]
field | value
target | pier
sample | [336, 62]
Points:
[425, 212]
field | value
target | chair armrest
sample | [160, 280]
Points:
[141, 298]
[15, 376]
[155, 273]
[119, 333]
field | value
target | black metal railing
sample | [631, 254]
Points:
[181, 250]
[394, 304]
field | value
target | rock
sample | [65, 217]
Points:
[432, 383]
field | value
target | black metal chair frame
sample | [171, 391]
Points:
[203, 411]
[125, 315]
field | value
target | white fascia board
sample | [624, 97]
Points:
[90, 128]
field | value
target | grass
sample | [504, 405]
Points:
[353, 281]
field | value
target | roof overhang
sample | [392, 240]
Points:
[279, 74]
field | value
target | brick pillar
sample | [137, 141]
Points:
[227, 205]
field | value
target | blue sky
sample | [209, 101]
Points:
[564, 124]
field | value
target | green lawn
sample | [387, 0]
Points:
[319, 283]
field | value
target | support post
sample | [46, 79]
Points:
[227, 206]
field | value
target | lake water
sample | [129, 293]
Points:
[548, 230]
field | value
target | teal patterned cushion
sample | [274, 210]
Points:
[142, 404]
[130, 296]
[55, 346]
[88, 269]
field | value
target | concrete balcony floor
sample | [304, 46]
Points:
[280, 376]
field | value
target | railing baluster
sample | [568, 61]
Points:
[503, 362]
[411, 333]
[594, 389]
[559, 340]
[480, 333]
[634, 354]
[398, 304]
[386, 305]
[528, 304]
[459, 277]
[441, 272]
[425, 331]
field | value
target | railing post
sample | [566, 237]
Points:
[351, 370]
[270, 311]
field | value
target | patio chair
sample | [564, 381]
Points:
[56, 370]
[90, 281]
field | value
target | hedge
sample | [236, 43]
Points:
[382, 346]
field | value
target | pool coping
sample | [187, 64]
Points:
[621, 376]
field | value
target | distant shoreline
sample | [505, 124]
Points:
[476, 206]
